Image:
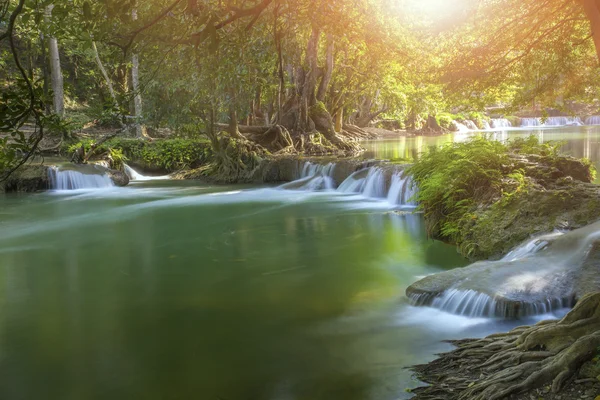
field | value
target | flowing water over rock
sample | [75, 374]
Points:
[136, 176]
[81, 177]
[500, 123]
[543, 275]
[593, 120]
[385, 181]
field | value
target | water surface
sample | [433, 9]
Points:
[172, 290]
[580, 142]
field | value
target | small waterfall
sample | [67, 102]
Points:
[471, 303]
[531, 122]
[471, 125]
[500, 123]
[313, 177]
[136, 176]
[486, 125]
[531, 247]
[68, 179]
[593, 120]
[375, 183]
[311, 169]
[459, 127]
[563, 121]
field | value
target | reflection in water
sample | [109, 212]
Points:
[165, 293]
[579, 142]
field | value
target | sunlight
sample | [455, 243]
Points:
[436, 9]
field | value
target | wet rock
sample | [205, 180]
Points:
[29, 178]
[554, 278]
[119, 178]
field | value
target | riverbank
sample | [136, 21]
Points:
[553, 360]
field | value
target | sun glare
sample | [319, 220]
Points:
[436, 9]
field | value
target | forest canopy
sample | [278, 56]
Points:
[292, 75]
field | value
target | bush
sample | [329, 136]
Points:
[167, 155]
[445, 120]
[454, 179]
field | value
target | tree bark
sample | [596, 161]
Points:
[55, 70]
[592, 10]
[339, 120]
[104, 74]
[328, 73]
[135, 82]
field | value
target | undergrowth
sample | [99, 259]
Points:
[458, 180]
[168, 155]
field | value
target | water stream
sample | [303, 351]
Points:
[167, 289]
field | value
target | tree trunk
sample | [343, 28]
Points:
[55, 70]
[328, 73]
[45, 72]
[104, 74]
[339, 120]
[135, 82]
[592, 10]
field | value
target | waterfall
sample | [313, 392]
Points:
[311, 169]
[563, 121]
[136, 176]
[551, 121]
[470, 125]
[501, 123]
[459, 127]
[313, 177]
[71, 179]
[593, 120]
[486, 125]
[531, 247]
[531, 122]
[384, 182]
[374, 183]
[402, 190]
[471, 303]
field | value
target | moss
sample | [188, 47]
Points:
[486, 196]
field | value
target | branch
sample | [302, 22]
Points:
[153, 22]
[11, 21]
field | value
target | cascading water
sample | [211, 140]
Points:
[68, 179]
[460, 127]
[471, 303]
[376, 182]
[563, 121]
[470, 125]
[543, 275]
[500, 123]
[531, 122]
[136, 176]
[313, 177]
[486, 125]
[402, 190]
[593, 120]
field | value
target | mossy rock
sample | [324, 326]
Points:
[29, 178]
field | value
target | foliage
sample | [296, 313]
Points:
[168, 155]
[457, 180]
[118, 159]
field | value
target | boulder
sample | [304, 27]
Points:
[544, 275]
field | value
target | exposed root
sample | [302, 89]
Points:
[524, 359]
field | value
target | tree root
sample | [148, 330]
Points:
[524, 359]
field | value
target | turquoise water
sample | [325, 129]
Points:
[578, 142]
[173, 290]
